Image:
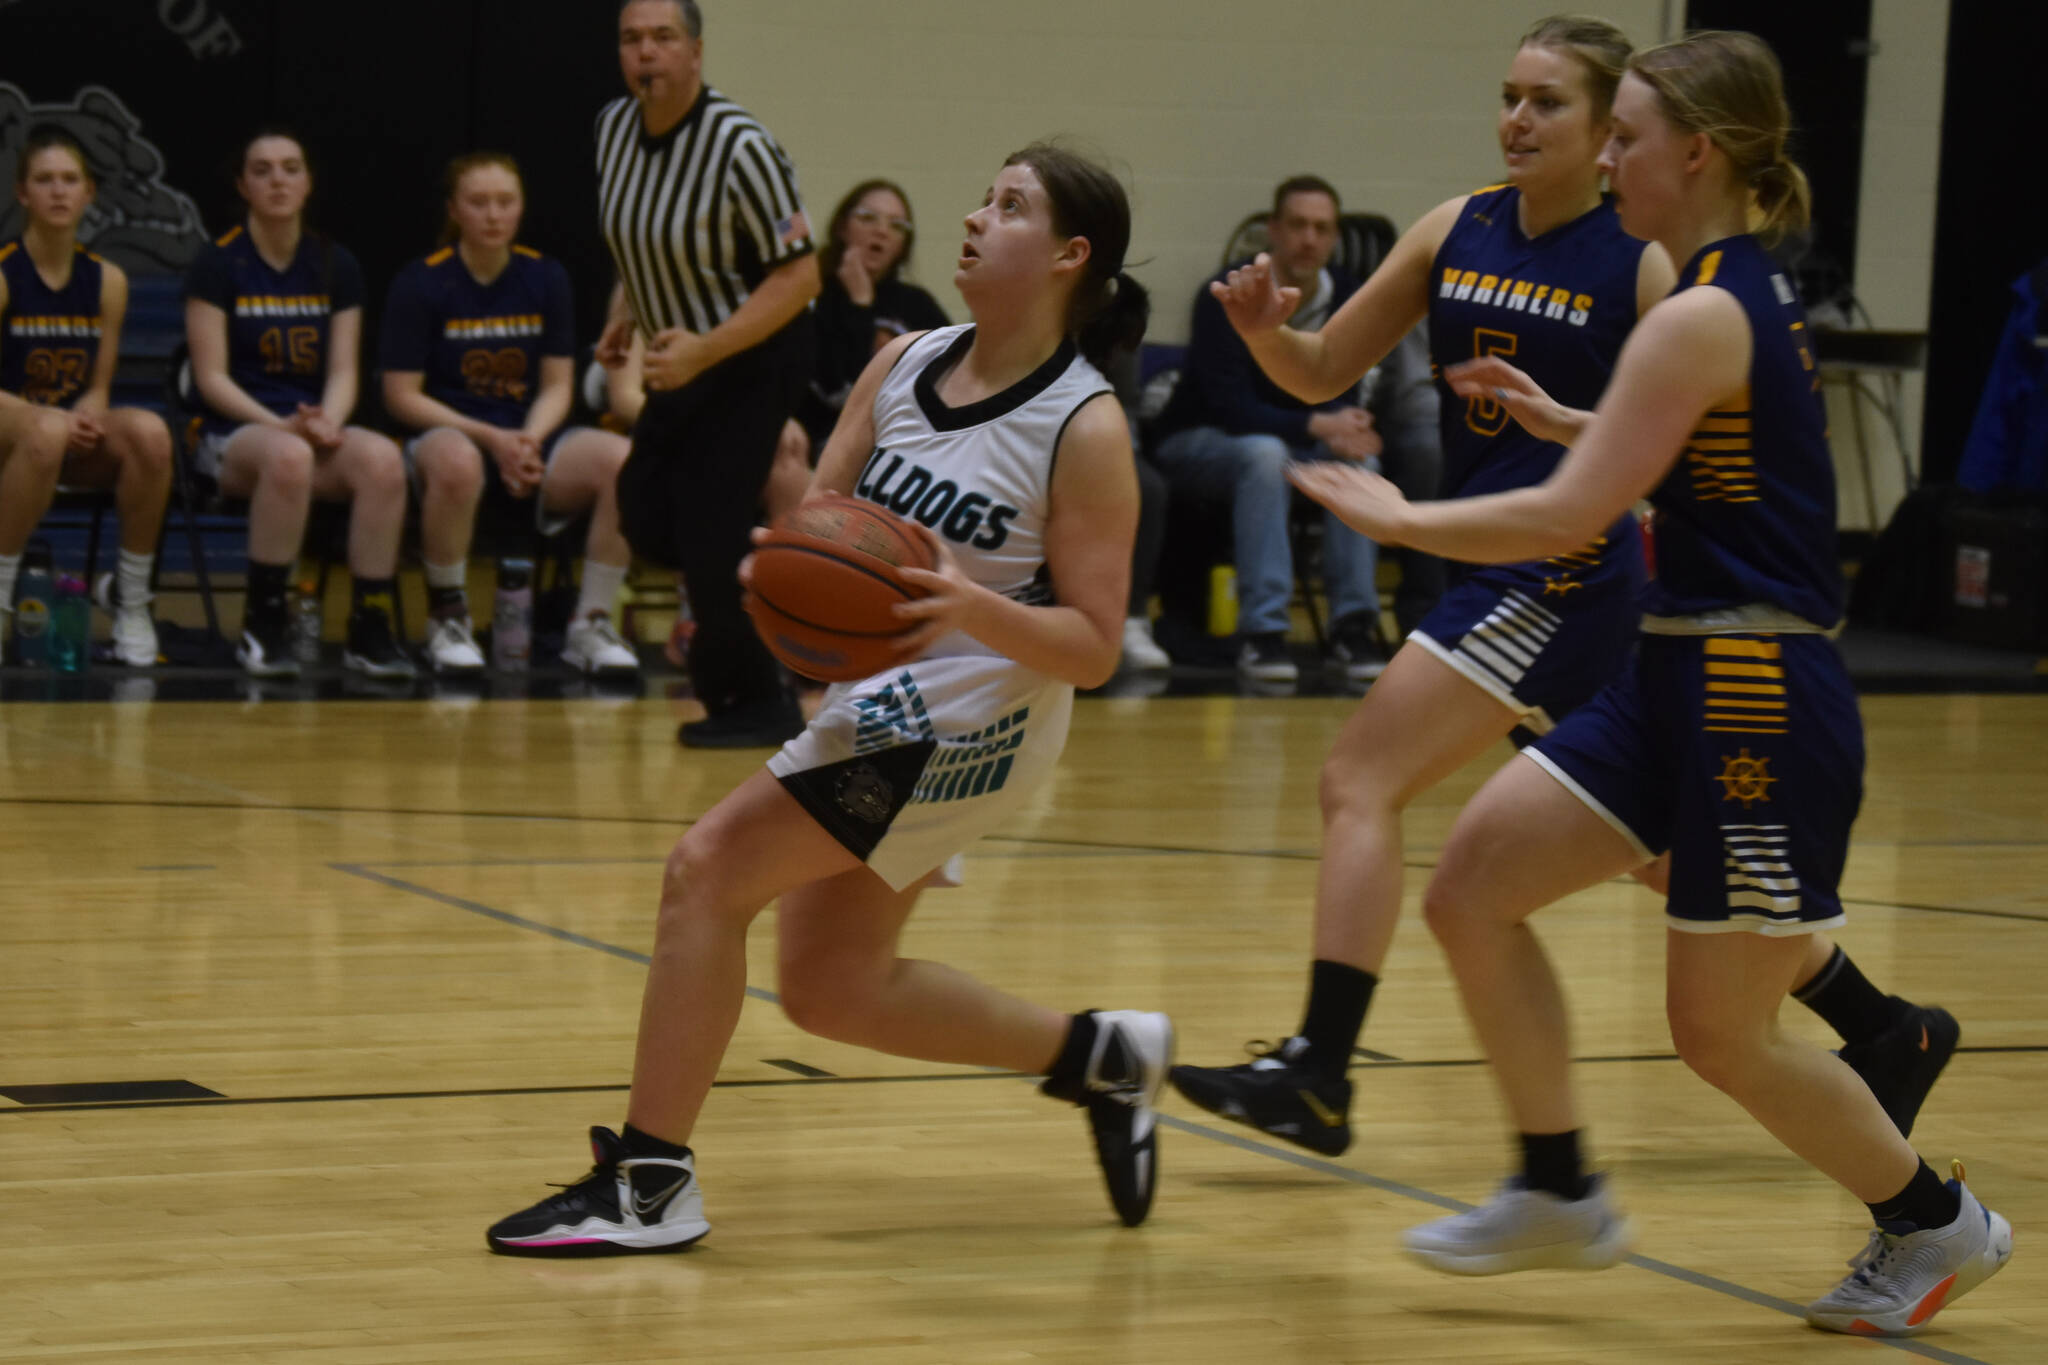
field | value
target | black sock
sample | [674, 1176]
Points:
[445, 604]
[646, 1144]
[374, 594]
[1550, 1162]
[1852, 1006]
[1926, 1202]
[1338, 995]
[267, 584]
[1068, 1073]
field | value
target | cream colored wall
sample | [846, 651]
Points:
[1894, 242]
[1204, 104]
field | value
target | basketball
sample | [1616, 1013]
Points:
[824, 582]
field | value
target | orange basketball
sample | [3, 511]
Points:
[824, 582]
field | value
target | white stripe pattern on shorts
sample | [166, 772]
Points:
[1507, 643]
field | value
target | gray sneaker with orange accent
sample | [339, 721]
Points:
[1901, 1279]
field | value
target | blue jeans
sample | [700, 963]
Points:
[1250, 473]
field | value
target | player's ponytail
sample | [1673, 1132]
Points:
[1119, 326]
[1728, 86]
[1784, 200]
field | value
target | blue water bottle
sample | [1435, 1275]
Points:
[33, 609]
[71, 627]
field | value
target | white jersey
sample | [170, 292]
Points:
[908, 767]
[979, 475]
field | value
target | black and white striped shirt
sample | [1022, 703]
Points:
[697, 217]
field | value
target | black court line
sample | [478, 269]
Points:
[684, 821]
[1130, 851]
[486, 1092]
[1346, 1173]
[790, 1064]
[1106, 847]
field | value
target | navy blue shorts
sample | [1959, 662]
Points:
[1542, 638]
[1742, 755]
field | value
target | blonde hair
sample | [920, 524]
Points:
[1728, 86]
[1600, 49]
[451, 181]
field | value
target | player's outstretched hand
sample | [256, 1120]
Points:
[1490, 379]
[1253, 299]
[1362, 500]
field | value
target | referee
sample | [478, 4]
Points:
[699, 205]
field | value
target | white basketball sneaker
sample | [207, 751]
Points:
[451, 646]
[1899, 1281]
[594, 646]
[1525, 1229]
[626, 1204]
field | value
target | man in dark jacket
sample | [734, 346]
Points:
[1229, 433]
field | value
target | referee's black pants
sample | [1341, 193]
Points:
[690, 492]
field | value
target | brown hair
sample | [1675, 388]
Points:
[1303, 184]
[1600, 49]
[451, 180]
[1107, 309]
[835, 247]
[42, 138]
[1728, 86]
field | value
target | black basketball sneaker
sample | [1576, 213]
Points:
[1120, 1090]
[1275, 1095]
[1901, 1064]
[627, 1204]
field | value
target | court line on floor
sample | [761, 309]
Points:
[1300, 1159]
[1125, 851]
[489, 1092]
[1083, 847]
[275, 806]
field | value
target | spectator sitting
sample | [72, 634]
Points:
[478, 351]
[1230, 434]
[274, 318]
[61, 309]
[865, 302]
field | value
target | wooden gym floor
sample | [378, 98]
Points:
[384, 959]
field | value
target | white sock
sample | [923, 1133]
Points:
[132, 579]
[600, 591]
[10, 569]
[447, 575]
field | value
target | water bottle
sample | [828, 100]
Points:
[70, 627]
[1223, 601]
[512, 621]
[32, 615]
[307, 626]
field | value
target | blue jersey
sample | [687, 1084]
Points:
[1557, 307]
[479, 345]
[279, 321]
[1747, 516]
[49, 338]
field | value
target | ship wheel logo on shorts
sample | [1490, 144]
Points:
[865, 794]
[1746, 779]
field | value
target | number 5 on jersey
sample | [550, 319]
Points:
[1483, 414]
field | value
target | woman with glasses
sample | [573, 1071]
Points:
[866, 302]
